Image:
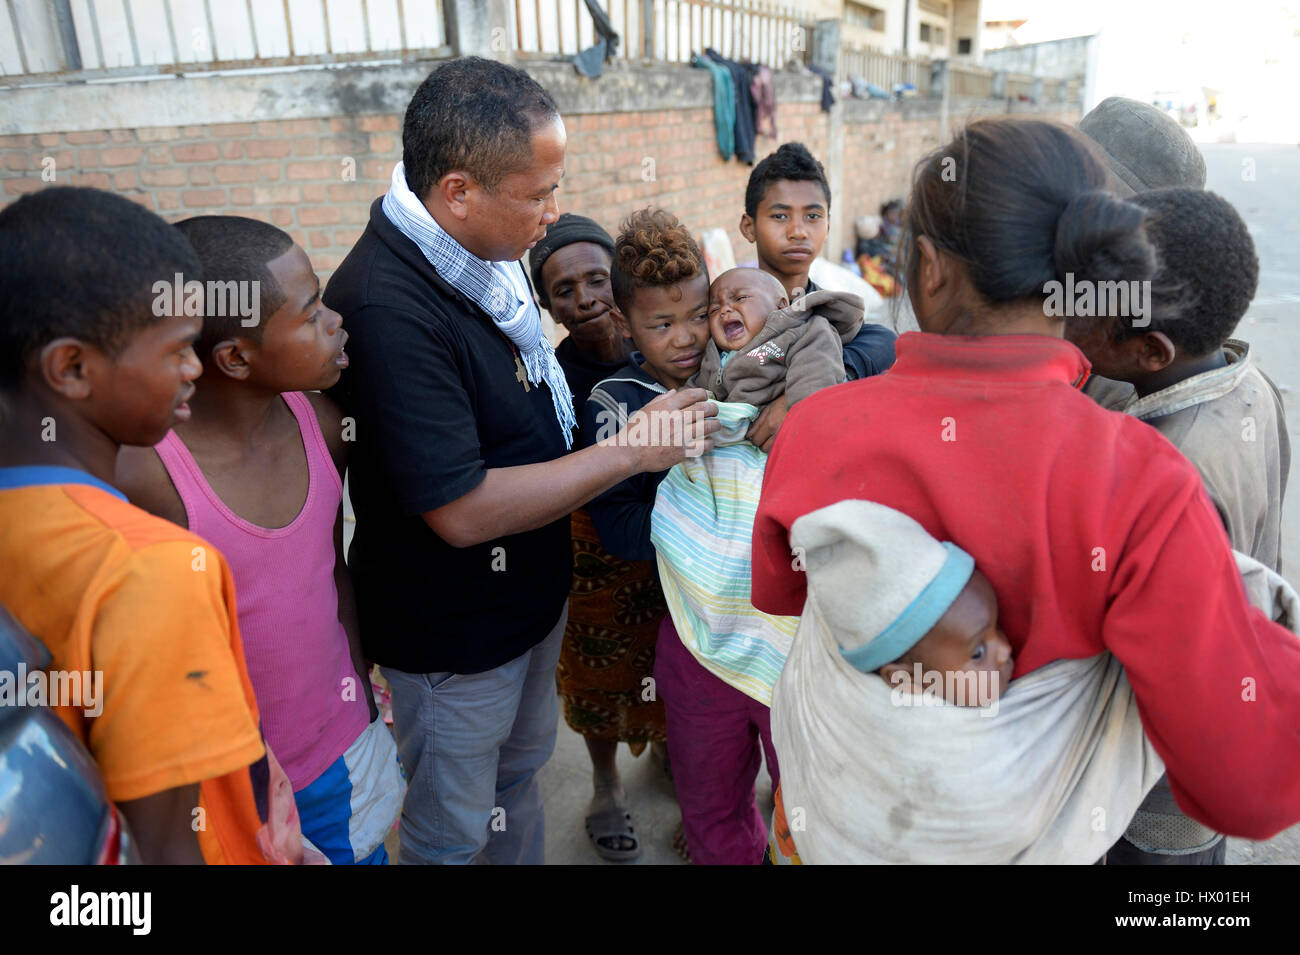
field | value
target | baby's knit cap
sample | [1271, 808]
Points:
[878, 579]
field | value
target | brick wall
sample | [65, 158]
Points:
[882, 147]
[316, 178]
[291, 173]
[878, 159]
[607, 152]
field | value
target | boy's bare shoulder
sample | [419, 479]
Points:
[140, 475]
[330, 418]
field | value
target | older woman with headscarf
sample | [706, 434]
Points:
[615, 606]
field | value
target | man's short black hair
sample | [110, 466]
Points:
[236, 249]
[80, 263]
[472, 114]
[1208, 269]
[791, 161]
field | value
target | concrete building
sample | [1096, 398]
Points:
[934, 29]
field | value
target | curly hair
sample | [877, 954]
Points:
[1196, 305]
[653, 249]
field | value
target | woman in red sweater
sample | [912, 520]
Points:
[1093, 529]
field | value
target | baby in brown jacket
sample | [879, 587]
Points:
[763, 346]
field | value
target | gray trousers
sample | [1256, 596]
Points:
[471, 745]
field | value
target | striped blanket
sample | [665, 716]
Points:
[702, 527]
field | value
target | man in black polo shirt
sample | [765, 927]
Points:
[461, 477]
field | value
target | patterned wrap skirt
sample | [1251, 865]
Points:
[606, 671]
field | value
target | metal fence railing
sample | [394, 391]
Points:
[667, 30]
[59, 41]
[969, 80]
[885, 70]
[43, 41]
[888, 72]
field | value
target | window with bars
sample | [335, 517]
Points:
[861, 15]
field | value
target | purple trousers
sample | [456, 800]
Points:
[714, 732]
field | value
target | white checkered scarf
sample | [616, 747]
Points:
[499, 288]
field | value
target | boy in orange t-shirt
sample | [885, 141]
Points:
[86, 366]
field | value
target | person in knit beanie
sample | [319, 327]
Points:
[569, 269]
[566, 230]
[601, 696]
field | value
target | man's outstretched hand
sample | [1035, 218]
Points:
[673, 427]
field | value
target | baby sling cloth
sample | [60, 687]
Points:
[1053, 776]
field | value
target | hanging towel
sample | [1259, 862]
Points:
[724, 105]
[744, 106]
[591, 61]
[762, 86]
[828, 98]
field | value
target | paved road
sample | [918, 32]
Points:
[1263, 182]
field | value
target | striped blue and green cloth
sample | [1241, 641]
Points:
[702, 528]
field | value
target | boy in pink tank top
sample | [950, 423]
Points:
[258, 472]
